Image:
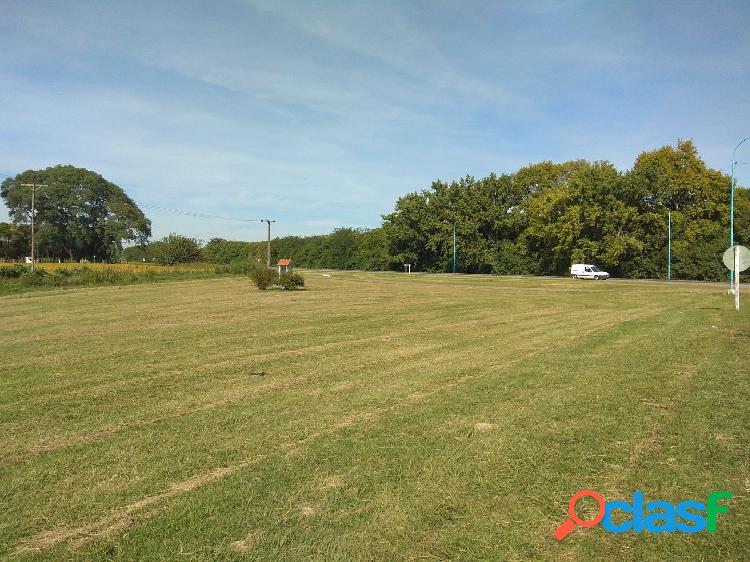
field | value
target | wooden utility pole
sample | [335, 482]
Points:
[33, 187]
[268, 248]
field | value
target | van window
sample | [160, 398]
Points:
[587, 268]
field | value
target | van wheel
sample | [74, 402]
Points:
[596, 277]
[575, 276]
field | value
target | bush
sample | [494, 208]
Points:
[34, 278]
[264, 278]
[174, 249]
[12, 272]
[235, 268]
[292, 281]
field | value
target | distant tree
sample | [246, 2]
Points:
[537, 220]
[676, 179]
[488, 219]
[545, 216]
[174, 249]
[408, 230]
[370, 251]
[14, 240]
[581, 220]
[142, 252]
[79, 213]
[741, 216]
[218, 250]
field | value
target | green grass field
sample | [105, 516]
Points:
[399, 417]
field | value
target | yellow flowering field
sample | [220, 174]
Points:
[126, 267]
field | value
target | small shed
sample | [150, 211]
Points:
[285, 265]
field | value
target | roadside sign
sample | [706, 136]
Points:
[744, 258]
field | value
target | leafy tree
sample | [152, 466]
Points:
[371, 251]
[408, 229]
[676, 179]
[487, 217]
[142, 252]
[174, 249]
[218, 250]
[79, 213]
[538, 220]
[14, 240]
[581, 220]
[545, 216]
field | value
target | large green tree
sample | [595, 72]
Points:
[676, 179]
[581, 219]
[174, 249]
[487, 218]
[79, 213]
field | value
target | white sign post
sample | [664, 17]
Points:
[737, 259]
[736, 277]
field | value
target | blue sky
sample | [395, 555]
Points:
[321, 114]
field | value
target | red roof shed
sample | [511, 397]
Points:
[285, 265]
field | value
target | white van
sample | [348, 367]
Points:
[587, 271]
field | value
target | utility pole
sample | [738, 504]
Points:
[268, 249]
[33, 187]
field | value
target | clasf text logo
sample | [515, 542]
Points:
[655, 516]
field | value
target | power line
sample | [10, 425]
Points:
[182, 212]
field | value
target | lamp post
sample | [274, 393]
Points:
[731, 208]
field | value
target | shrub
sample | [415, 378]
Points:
[264, 278]
[102, 277]
[175, 249]
[235, 268]
[34, 278]
[292, 281]
[12, 272]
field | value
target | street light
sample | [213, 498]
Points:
[731, 208]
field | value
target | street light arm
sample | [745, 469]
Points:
[731, 206]
[736, 147]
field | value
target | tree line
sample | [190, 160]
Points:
[544, 217]
[537, 220]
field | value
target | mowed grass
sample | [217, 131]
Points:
[399, 417]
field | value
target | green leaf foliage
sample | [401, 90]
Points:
[79, 214]
[291, 281]
[264, 278]
[174, 249]
[537, 220]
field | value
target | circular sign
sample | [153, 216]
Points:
[728, 258]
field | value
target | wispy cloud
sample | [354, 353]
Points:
[322, 114]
